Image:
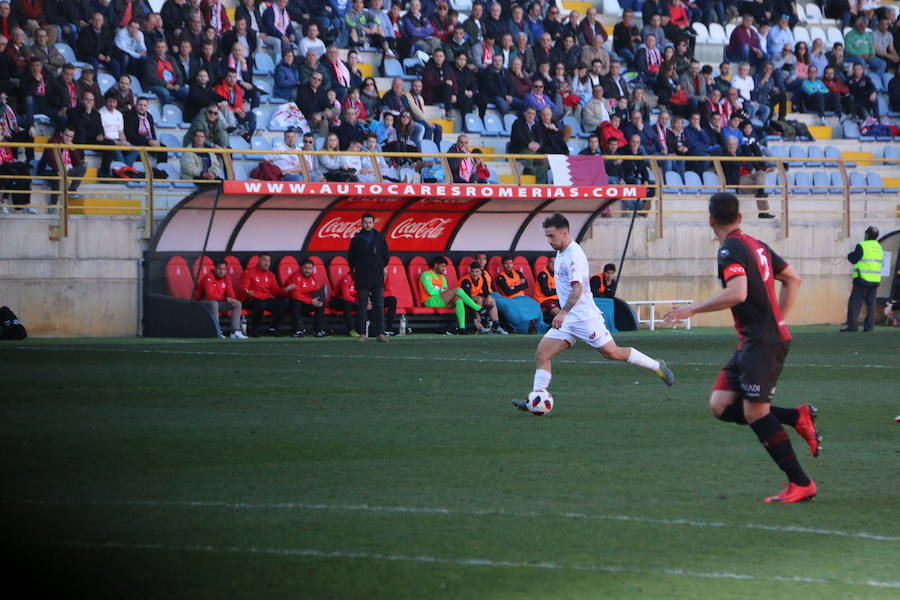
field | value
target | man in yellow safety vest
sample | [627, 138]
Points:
[866, 259]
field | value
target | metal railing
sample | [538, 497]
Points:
[830, 202]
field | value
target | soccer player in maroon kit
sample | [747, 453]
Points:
[743, 391]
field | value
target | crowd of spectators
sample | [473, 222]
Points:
[522, 58]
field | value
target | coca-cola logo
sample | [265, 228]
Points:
[426, 230]
[338, 227]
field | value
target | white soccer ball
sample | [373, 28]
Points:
[540, 403]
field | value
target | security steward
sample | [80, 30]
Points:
[866, 259]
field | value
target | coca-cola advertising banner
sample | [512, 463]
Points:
[441, 190]
[422, 231]
[334, 231]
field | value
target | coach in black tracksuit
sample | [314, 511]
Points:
[368, 257]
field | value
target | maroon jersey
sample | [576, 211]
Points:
[758, 318]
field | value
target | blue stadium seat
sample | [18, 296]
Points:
[575, 125]
[692, 183]
[892, 152]
[170, 141]
[264, 85]
[857, 183]
[69, 55]
[445, 145]
[263, 114]
[264, 65]
[241, 173]
[508, 120]
[104, 82]
[236, 142]
[801, 183]
[393, 68]
[673, 182]
[473, 123]
[710, 179]
[778, 151]
[258, 142]
[139, 91]
[837, 183]
[816, 152]
[877, 81]
[154, 112]
[493, 126]
[172, 117]
[821, 180]
[876, 185]
[850, 130]
[832, 152]
[773, 183]
[797, 151]
[883, 107]
[174, 171]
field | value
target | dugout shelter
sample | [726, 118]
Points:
[317, 220]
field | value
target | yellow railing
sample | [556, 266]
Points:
[661, 201]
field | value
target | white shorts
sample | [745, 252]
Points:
[593, 332]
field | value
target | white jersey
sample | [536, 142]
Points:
[572, 265]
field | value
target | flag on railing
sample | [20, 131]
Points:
[577, 170]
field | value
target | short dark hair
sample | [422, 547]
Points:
[609, 267]
[437, 259]
[508, 257]
[556, 220]
[724, 208]
[367, 216]
[475, 265]
[220, 261]
[871, 232]
[306, 261]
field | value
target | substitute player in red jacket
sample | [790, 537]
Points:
[743, 392]
[261, 292]
[216, 293]
[306, 295]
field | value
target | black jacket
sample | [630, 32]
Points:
[131, 129]
[367, 261]
[493, 83]
[521, 136]
[91, 43]
[86, 126]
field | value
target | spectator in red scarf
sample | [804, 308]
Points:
[162, 78]
[72, 162]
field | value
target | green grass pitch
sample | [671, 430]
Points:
[324, 468]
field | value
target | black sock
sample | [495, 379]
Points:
[777, 443]
[787, 416]
[734, 413]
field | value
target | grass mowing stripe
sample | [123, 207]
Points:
[472, 562]
[414, 358]
[474, 512]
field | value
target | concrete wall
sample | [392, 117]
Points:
[682, 265]
[86, 284]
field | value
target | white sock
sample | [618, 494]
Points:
[541, 380]
[642, 360]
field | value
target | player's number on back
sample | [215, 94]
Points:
[763, 263]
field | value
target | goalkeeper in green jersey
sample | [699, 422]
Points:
[435, 293]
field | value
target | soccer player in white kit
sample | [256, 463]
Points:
[579, 317]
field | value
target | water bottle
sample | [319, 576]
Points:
[402, 325]
[244, 324]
